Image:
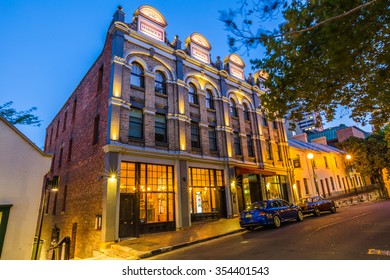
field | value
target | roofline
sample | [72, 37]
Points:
[25, 138]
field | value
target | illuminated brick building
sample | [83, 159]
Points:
[157, 136]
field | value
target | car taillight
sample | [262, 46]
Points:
[262, 213]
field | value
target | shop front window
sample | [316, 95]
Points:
[204, 184]
[155, 187]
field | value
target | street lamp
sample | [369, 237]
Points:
[349, 168]
[50, 185]
[311, 157]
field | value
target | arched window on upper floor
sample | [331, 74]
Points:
[246, 113]
[192, 95]
[209, 100]
[160, 85]
[233, 109]
[137, 76]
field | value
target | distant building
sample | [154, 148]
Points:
[338, 134]
[306, 125]
[22, 169]
[328, 165]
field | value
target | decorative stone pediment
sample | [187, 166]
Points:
[235, 65]
[198, 47]
[150, 22]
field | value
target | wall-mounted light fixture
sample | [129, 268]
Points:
[98, 221]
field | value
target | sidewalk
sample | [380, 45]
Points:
[153, 244]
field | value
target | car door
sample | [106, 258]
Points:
[285, 210]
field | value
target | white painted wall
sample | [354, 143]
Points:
[22, 169]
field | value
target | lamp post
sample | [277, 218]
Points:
[50, 185]
[311, 157]
[349, 168]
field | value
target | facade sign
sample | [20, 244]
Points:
[236, 72]
[151, 30]
[200, 54]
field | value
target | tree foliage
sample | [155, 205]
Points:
[369, 156]
[19, 117]
[324, 55]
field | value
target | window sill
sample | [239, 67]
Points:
[134, 139]
[161, 94]
[161, 144]
[211, 110]
[137, 88]
[194, 105]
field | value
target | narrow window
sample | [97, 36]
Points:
[64, 198]
[335, 162]
[306, 185]
[70, 149]
[160, 128]
[212, 138]
[209, 100]
[195, 139]
[246, 113]
[60, 159]
[137, 76]
[233, 109]
[136, 123]
[326, 162]
[96, 130]
[74, 109]
[275, 124]
[100, 80]
[264, 120]
[65, 119]
[160, 83]
[192, 95]
[237, 144]
[269, 149]
[58, 127]
[279, 151]
[332, 183]
[250, 146]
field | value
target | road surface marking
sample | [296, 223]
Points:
[335, 223]
[378, 252]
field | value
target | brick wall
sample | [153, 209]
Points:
[80, 173]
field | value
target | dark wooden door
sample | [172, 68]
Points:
[127, 215]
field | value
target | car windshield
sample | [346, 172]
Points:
[310, 199]
[258, 205]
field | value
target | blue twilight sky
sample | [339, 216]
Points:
[47, 46]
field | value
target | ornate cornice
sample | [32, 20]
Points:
[119, 102]
[118, 60]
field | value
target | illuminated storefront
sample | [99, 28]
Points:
[147, 198]
[206, 189]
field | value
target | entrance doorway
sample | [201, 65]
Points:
[128, 226]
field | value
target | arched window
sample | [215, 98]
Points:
[137, 76]
[246, 112]
[160, 83]
[209, 100]
[233, 109]
[192, 95]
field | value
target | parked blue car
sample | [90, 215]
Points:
[269, 212]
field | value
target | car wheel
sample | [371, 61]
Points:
[299, 216]
[317, 211]
[276, 222]
[333, 209]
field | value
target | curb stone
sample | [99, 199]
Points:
[185, 244]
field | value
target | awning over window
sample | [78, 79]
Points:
[242, 171]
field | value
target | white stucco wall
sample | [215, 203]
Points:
[22, 169]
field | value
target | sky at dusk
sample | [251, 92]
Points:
[47, 46]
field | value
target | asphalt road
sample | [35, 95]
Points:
[349, 234]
